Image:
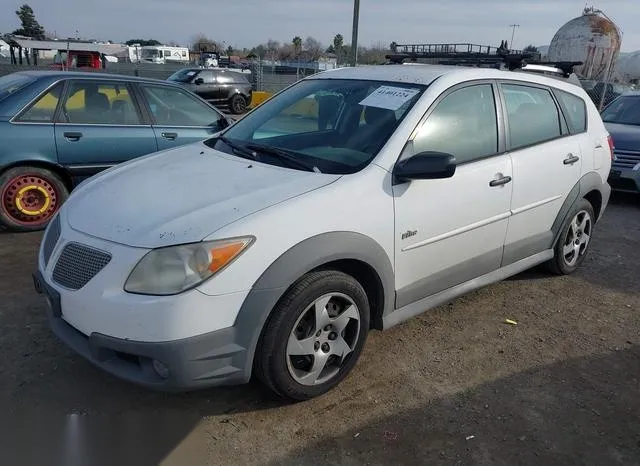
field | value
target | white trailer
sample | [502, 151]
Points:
[163, 54]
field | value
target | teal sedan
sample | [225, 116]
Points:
[58, 128]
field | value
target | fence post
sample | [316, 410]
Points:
[259, 75]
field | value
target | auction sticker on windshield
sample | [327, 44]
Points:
[389, 97]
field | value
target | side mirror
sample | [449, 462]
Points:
[426, 166]
[198, 81]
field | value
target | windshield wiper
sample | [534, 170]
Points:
[285, 156]
[240, 150]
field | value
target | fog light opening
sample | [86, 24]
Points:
[161, 369]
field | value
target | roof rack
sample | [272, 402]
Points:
[474, 55]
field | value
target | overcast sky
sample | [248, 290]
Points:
[244, 23]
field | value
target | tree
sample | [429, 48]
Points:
[261, 50]
[313, 48]
[338, 42]
[287, 52]
[30, 25]
[229, 50]
[143, 42]
[273, 49]
[202, 43]
[338, 47]
[393, 45]
[531, 48]
[297, 44]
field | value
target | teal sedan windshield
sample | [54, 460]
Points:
[328, 125]
[13, 83]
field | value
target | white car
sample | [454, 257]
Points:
[353, 200]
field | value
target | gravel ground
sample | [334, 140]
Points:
[454, 386]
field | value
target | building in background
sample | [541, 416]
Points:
[591, 38]
[4, 49]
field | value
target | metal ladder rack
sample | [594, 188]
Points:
[466, 54]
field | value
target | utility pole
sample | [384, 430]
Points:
[354, 32]
[513, 33]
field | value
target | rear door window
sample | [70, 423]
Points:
[99, 103]
[533, 115]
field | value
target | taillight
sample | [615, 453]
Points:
[611, 146]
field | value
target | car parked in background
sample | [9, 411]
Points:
[221, 86]
[58, 128]
[622, 119]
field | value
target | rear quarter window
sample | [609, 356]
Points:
[575, 110]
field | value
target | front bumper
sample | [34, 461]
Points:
[211, 359]
[624, 179]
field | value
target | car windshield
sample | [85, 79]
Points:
[624, 110]
[331, 125]
[13, 83]
[183, 76]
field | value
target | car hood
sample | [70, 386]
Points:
[625, 137]
[181, 195]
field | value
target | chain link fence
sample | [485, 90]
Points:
[264, 76]
[603, 93]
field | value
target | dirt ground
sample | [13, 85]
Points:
[454, 386]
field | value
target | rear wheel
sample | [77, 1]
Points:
[30, 196]
[314, 336]
[572, 246]
[238, 104]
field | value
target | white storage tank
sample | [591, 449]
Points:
[591, 38]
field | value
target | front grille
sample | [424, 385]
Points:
[626, 159]
[53, 234]
[78, 264]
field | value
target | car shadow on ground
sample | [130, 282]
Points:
[76, 424]
[532, 417]
[528, 418]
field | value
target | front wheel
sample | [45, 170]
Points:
[575, 238]
[30, 196]
[314, 336]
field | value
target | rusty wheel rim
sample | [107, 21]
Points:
[29, 200]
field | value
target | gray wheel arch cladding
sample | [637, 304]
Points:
[294, 263]
[589, 182]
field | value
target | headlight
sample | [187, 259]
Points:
[174, 269]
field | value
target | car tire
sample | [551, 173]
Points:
[314, 335]
[237, 104]
[29, 198]
[575, 239]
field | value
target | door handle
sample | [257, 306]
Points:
[500, 181]
[72, 136]
[571, 159]
[170, 136]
